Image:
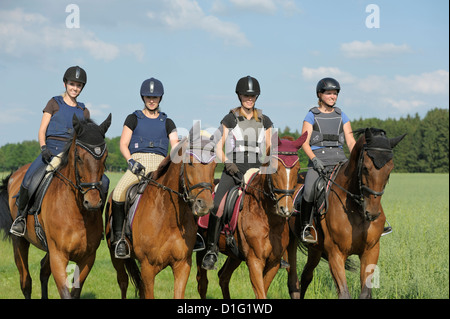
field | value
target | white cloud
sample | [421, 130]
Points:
[24, 34]
[436, 82]
[358, 49]
[186, 14]
[311, 74]
[265, 6]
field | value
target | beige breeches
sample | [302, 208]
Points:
[149, 160]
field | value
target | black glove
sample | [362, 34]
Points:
[231, 168]
[46, 154]
[318, 165]
[135, 167]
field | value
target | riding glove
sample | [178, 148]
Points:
[46, 154]
[231, 168]
[135, 167]
[318, 165]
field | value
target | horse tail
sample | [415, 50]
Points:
[134, 272]
[5, 213]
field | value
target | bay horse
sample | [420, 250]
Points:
[262, 232]
[164, 229]
[71, 212]
[355, 220]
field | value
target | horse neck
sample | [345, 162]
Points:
[171, 178]
[68, 170]
[350, 170]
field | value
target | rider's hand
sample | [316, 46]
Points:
[135, 167]
[231, 168]
[46, 154]
[318, 165]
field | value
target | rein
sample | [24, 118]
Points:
[359, 198]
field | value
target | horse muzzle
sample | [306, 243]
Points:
[201, 208]
[283, 211]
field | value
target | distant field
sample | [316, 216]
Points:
[413, 264]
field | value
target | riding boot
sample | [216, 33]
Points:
[212, 238]
[306, 235]
[118, 215]
[19, 225]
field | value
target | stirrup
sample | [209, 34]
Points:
[309, 240]
[387, 230]
[12, 231]
[199, 243]
[128, 255]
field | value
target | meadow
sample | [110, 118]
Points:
[413, 263]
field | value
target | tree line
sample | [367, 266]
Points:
[424, 149]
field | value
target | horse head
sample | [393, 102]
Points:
[199, 165]
[374, 167]
[285, 166]
[88, 157]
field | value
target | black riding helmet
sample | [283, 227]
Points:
[327, 84]
[76, 74]
[248, 86]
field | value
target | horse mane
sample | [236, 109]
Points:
[65, 152]
[166, 162]
[287, 137]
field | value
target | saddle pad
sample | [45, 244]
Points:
[132, 210]
[231, 226]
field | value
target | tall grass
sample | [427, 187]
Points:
[413, 263]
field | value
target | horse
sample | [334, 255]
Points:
[262, 232]
[354, 220]
[163, 229]
[70, 216]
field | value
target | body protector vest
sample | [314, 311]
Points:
[244, 141]
[328, 129]
[150, 135]
[61, 122]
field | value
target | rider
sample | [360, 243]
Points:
[242, 132]
[328, 128]
[144, 144]
[55, 131]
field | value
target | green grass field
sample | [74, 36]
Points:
[413, 263]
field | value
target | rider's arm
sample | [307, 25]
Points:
[307, 127]
[43, 128]
[125, 139]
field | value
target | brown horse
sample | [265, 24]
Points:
[262, 232]
[164, 230]
[70, 214]
[355, 219]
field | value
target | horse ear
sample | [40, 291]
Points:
[77, 125]
[105, 125]
[368, 134]
[395, 140]
[299, 142]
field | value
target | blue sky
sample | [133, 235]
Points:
[199, 49]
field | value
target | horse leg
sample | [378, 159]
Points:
[292, 282]
[225, 274]
[84, 268]
[44, 275]
[202, 275]
[58, 264]
[313, 260]
[181, 271]
[122, 276]
[337, 267]
[369, 261]
[21, 246]
[149, 273]
[269, 273]
[256, 267]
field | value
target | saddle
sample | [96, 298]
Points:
[321, 190]
[229, 209]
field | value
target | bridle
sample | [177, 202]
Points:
[274, 190]
[97, 151]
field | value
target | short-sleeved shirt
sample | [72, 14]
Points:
[52, 107]
[229, 121]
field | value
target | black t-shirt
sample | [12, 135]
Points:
[131, 123]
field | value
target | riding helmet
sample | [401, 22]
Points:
[327, 84]
[76, 74]
[152, 87]
[248, 86]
